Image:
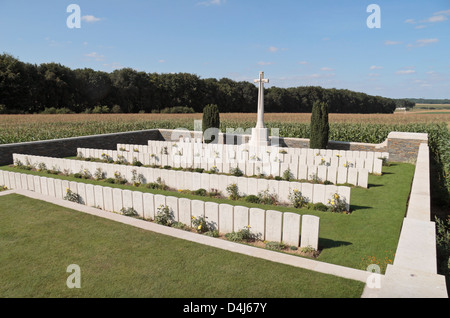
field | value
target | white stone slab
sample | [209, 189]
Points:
[283, 191]
[138, 202]
[352, 176]
[368, 163]
[184, 211]
[127, 199]
[363, 178]
[196, 181]
[225, 218]
[117, 200]
[303, 172]
[81, 190]
[223, 184]
[319, 193]
[308, 191]
[257, 222]
[312, 172]
[205, 181]
[98, 197]
[263, 185]
[322, 173]
[198, 208]
[241, 218]
[149, 206]
[242, 184]
[332, 174]
[377, 166]
[17, 181]
[213, 182]
[344, 193]
[212, 214]
[37, 184]
[330, 190]
[274, 222]
[342, 175]
[160, 201]
[90, 195]
[172, 202]
[310, 231]
[291, 228]
[30, 182]
[252, 186]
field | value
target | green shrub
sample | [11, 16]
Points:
[201, 192]
[320, 207]
[233, 191]
[319, 126]
[211, 123]
[277, 246]
[252, 199]
[164, 215]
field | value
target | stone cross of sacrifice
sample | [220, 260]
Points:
[261, 80]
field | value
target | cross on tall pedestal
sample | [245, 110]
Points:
[261, 80]
[260, 134]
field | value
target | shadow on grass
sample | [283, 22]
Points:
[354, 208]
[327, 243]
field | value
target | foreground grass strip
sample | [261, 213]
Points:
[39, 240]
[370, 232]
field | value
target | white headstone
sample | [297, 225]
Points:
[352, 176]
[81, 190]
[225, 218]
[211, 214]
[319, 193]
[291, 228]
[310, 232]
[89, 199]
[342, 175]
[198, 208]
[184, 211]
[138, 203]
[363, 178]
[172, 202]
[149, 206]
[241, 218]
[30, 182]
[117, 200]
[274, 221]
[257, 222]
[308, 191]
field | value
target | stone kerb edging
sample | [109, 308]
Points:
[414, 271]
[353, 176]
[184, 180]
[268, 225]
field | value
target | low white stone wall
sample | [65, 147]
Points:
[183, 180]
[266, 224]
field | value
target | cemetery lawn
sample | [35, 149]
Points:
[371, 231]
[40, 240]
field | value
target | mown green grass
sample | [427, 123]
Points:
[39, 241]
[371, 230]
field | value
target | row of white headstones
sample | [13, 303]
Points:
[273, 221]
[270, 225]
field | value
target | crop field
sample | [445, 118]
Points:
[22, 128]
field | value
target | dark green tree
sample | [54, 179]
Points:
[320, 127]
[211, 123]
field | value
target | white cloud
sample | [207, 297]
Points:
[445, 12]
[328, 69]
[423, 42]
[410, 21]
[375, 67]
[90, 18]
[303, 62]
[405, 72]
[264, 63]
[161, 61]
[95, 56]
[211, 3]
[436, 18]
[392, 42]
[374, 74]
[422, 26]
[273, 49]
[113, 65]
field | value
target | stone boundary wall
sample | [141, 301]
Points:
[268, 225]
[67, 147]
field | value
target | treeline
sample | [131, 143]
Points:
[30, 88]
[429, 101]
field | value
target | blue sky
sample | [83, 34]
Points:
[295, 42]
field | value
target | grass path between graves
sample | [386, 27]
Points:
[368, 235]
[40, 240]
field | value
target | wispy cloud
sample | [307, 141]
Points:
[113, 66]
[403, 72]
[303, 62]
[392, 42]
[264, 63]
[95, 56]
[375, 67]
[327, 69]
[211, 3]
[273, 49]
[423, 42]
[161, 61]
[90, 18]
